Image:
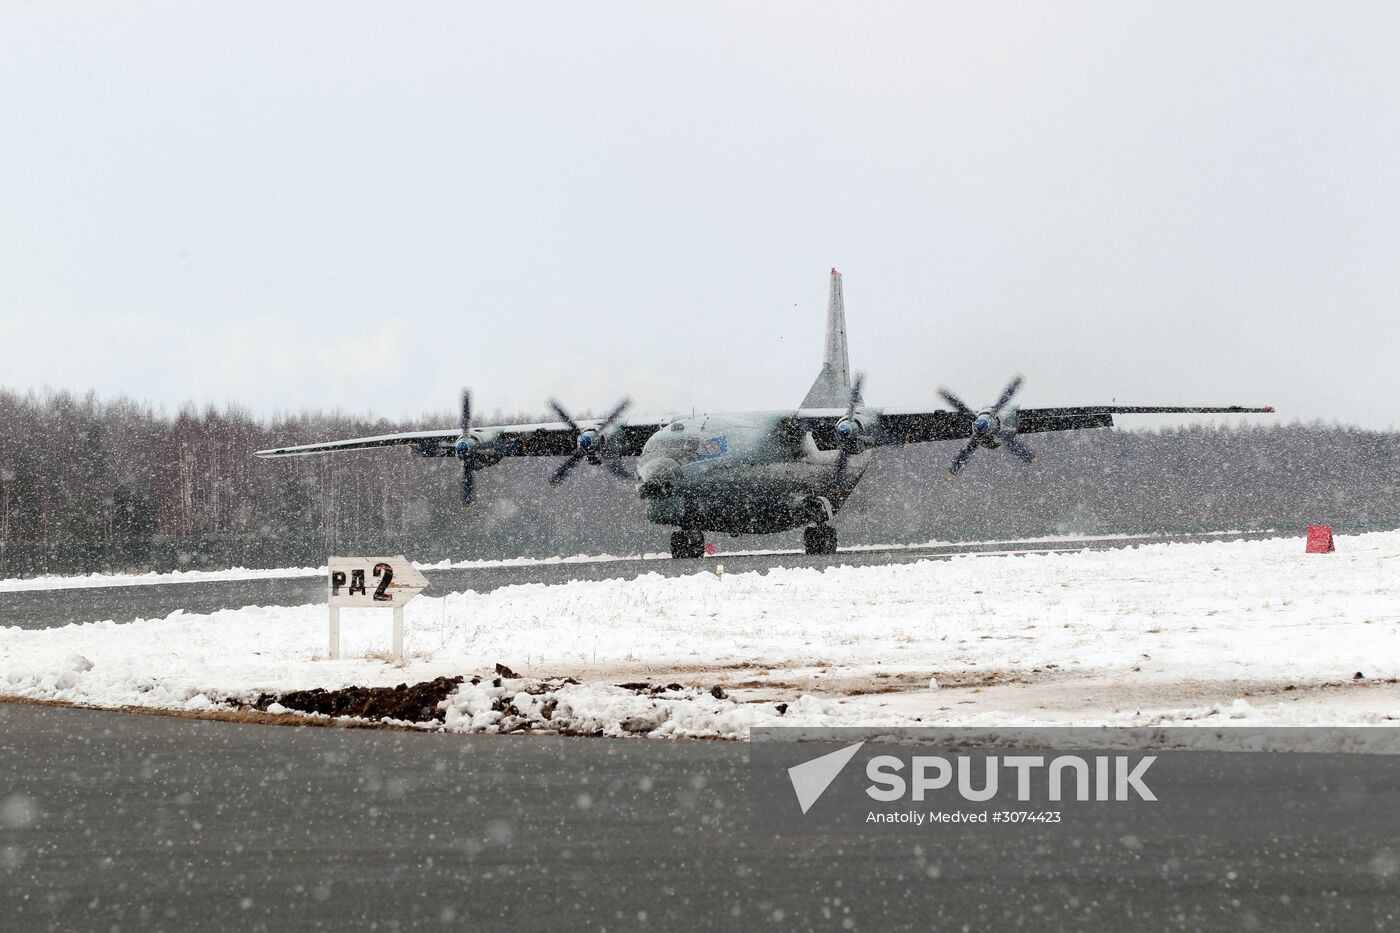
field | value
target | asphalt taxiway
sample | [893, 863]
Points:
[116, 821]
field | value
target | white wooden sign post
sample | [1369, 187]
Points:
[371, 582]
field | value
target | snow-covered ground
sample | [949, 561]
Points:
[1153, 635]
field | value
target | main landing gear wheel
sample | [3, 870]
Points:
[819, 539]
[687, 544]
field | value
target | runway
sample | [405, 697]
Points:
[123, 821]
[54, 607]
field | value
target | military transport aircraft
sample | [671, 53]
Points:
[754, 472]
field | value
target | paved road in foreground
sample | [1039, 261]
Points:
[135, 822]
[49, 608]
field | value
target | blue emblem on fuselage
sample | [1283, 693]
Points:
[712, 448]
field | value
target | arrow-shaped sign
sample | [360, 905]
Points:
[373, 581]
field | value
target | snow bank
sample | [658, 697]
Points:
[861, 645]
[523, 705]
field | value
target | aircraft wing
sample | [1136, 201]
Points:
[547, 439]
[908, 426]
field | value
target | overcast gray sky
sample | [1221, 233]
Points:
[366, 206]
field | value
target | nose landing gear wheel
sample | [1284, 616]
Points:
[819, 539]
[687, 544]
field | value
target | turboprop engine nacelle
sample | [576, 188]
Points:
[988, 424]
[479, 447]
[593, 441]
[853, 432]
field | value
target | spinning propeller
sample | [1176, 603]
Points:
[592, 444]
[850, 432]
[471, 450]
[987, 428]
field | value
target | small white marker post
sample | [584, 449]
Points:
[369, 582]
[398, 633]
[335, 633]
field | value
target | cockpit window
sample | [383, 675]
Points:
[685, 450]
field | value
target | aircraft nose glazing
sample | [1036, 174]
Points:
[658, 477]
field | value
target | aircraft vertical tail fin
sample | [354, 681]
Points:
[832, 388]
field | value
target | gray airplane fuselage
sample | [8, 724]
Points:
[746, 473]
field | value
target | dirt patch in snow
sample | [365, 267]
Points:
[513, 704]
[244, 716]
[419, 702]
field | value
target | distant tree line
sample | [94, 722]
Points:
[89, 485]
